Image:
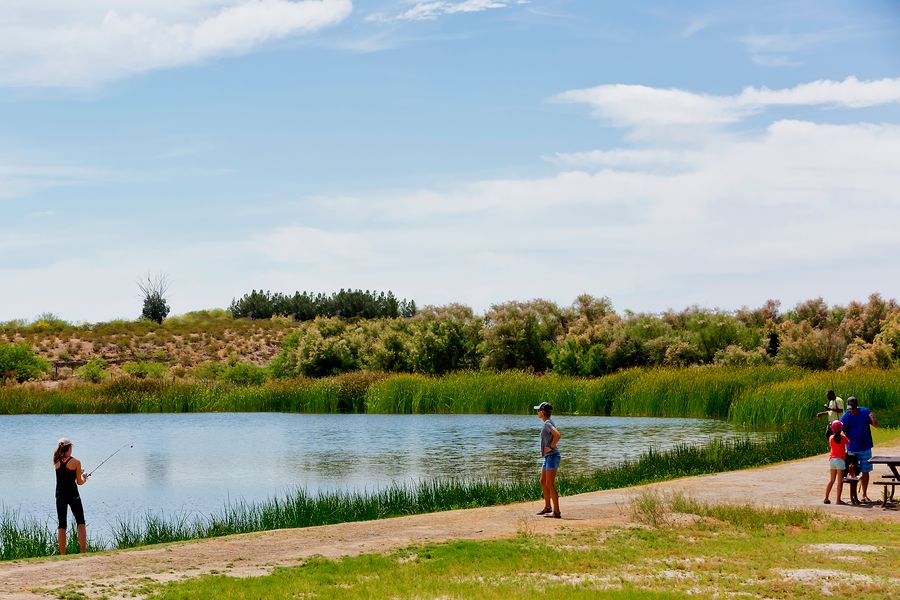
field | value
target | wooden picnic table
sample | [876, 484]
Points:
[893, 463]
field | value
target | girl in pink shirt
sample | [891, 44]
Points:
[838, 443]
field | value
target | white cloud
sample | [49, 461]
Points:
[17, 179]
[796, 211]
[434, 9]
[642, 106]
[85, 43]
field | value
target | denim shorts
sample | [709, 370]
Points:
[863, 455]
[551, 462]
[837, 464]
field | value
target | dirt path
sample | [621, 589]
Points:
[119, 574]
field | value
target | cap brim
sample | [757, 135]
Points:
[537, 408]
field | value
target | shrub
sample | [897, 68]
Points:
[93, 372]
[145, 369]
[19, 362]
[735, 356]
[245, 374]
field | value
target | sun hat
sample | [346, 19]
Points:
[836, 426]
[544, 406]
[852, 402]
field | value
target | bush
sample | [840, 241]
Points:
[93, 372]
[19, 362]
[245, 374]
[145, 369]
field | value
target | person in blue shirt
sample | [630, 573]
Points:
[858, 422]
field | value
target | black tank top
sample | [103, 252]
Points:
[66, 487]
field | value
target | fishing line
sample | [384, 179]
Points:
[128, 445]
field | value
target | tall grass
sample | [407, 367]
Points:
[756, 396]
[302, 509]
[798, 399]
[26, 537]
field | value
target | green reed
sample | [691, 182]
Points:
[756, 396]
[799, 399]
[26, 537]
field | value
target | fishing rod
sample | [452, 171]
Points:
[128, 445]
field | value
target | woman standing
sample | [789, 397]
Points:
[68, 477]
[549, 439]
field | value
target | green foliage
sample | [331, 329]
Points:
[519, 335]
[245, 374]
[306, 306]
[798, 399]
[142, 369]
[18, 362]
[94, 371]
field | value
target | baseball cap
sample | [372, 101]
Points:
[852, 402]
[65, 441]
[544, 406]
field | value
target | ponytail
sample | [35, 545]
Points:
[61, 449]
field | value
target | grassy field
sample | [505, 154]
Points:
[759, 397]
[685, 549]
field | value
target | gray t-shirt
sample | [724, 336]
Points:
[547, 436]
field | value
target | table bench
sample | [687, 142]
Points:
[893, 480]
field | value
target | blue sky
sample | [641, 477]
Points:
[661, 154]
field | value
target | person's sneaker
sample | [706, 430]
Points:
[553, 516]
[544, 511]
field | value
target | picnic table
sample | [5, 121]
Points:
[893, 463]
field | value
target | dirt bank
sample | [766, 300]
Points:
[119, 574]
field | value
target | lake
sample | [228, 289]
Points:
[195, 463]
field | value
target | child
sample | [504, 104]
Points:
[852, 476]
[838, 443]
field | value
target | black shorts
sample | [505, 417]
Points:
[62, 505]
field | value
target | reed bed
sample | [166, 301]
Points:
[755, 396]
[26, 537]
[799, 399]
[302, 509]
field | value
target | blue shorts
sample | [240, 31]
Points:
[863, 455]
[551, 462]
[837, 464]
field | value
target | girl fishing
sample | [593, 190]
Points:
[836, 460]
[68, 477]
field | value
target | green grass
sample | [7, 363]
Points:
[763, 553]
[795, 400]
[28, 537]
[759, 397]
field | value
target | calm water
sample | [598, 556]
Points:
[197, 462]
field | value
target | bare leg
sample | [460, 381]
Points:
[832, 472]
[82, 538]
[864, 480]
[551, 487]
[840, 486]
[545, 490]
[61, 540]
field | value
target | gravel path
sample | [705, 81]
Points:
[119, 574]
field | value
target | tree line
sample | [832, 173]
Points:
[306, 306]
[588, 338]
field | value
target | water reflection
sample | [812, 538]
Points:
[198, 461]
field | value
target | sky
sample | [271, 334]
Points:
[477, 151]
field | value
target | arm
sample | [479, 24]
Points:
[80, 478]
[555, 440]
[873, 419]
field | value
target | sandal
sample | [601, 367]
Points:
[553, 515]
[544, 511]
[827, 501]
[841, 502]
